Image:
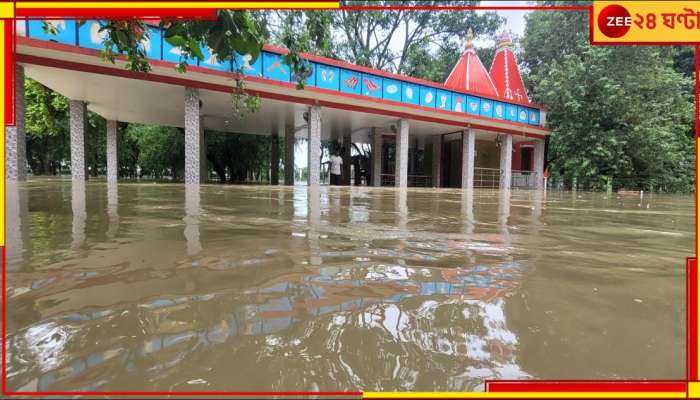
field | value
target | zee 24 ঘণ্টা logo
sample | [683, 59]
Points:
[650, 21]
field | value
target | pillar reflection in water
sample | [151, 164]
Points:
[314, 220]
[18, 239]
[79, 212]
[280, 200]
[467, 209]
[112, 209]
[538, 199]
[300, 204]
[359, 207]
[504, 214]
[192, 215]
[374, 213]
[402, 221]
[401, 208]
[468, 222]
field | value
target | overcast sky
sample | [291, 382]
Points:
[515, 19]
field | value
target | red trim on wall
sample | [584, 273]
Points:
[50, 62]
[691, 276]
[128, 13]
[456, 8]
[9, 72]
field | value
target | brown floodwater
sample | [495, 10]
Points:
[146, 287]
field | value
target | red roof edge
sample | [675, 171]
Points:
[345, 64]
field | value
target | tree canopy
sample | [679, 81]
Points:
[417, 42]
[623, 112]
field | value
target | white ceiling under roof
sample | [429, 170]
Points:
[150, 102]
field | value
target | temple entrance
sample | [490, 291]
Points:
[526, 159]
[451, 175]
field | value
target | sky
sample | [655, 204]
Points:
[515, 24]
[515, 19]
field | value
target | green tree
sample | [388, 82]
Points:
[243, 157]
[300, 32]
[48, 133]
[96, 145]
[615, 111]
[128, 153]
[550, 35]
[230, 32]
[365, 37]
[46, 125]
[161, 150]
[684, 60]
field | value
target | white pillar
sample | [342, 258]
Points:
[193, 137]
[314, 165]
[112, 167]
[437, 160]
[539, 164]
[15, 137]
[289, 155]
[401, 174]
[468, 152]
[275, 156]
[376, 158]
[78, 124]
[506, 160]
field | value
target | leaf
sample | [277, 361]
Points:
[244, 45]
[196, 49]
[122, 40]
[176, 40]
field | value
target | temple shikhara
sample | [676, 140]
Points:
[477, 129]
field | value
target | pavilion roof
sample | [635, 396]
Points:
[469, 73]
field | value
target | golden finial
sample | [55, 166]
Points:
[504, 39]
[470, 40]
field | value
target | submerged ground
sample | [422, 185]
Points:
[155, 287]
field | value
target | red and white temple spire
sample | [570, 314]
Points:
[505, 73]
[469, 73]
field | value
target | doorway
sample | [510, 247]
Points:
[526, 159]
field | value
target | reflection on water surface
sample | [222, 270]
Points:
[162, 287]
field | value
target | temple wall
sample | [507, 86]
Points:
[487, 154]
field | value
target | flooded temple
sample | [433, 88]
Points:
[478, 129]
[135, 286]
